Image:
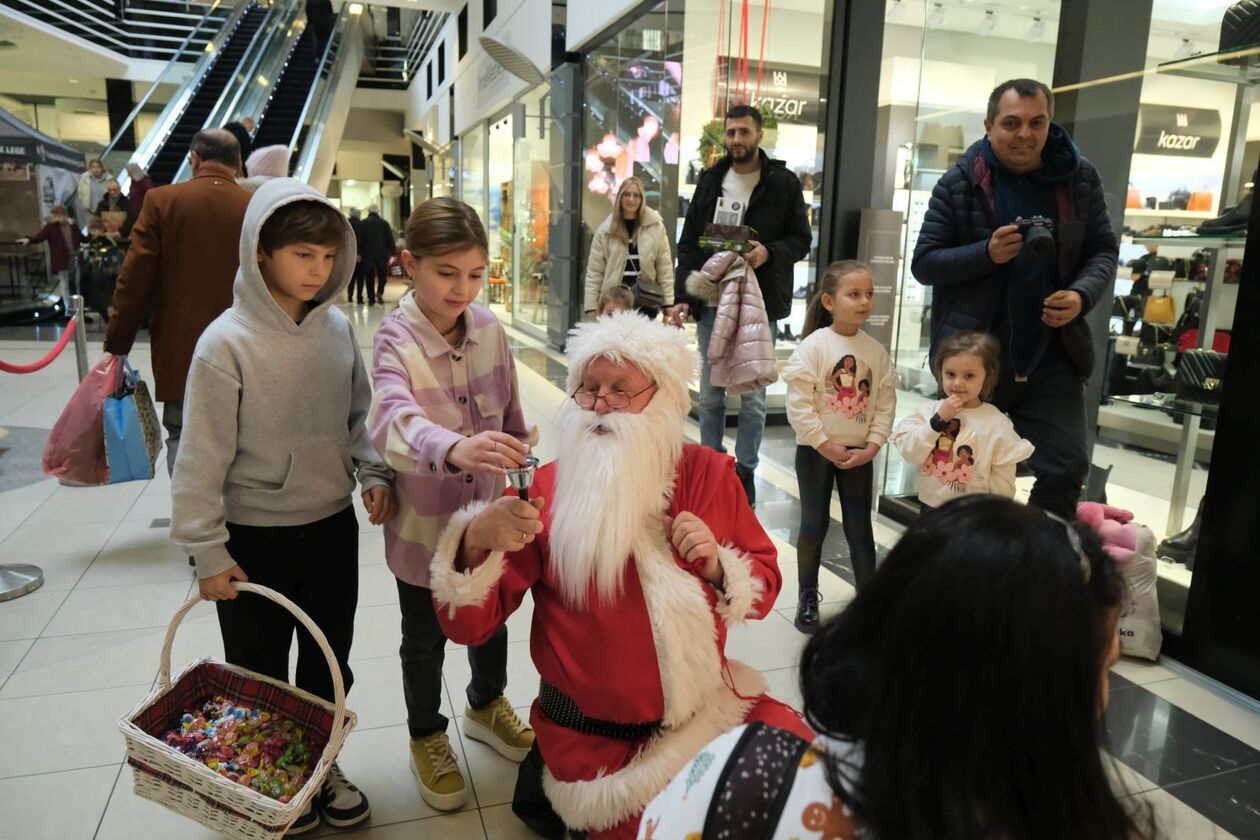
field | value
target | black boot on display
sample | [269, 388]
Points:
[1180, 548]
[746, 479]
[807, 610]
[1233, 220]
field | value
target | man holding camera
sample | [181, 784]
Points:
[1017, 243]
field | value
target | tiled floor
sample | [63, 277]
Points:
[79, 652]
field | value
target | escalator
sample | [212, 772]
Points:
[279, 122]
[213, 83]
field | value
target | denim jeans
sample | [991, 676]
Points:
[712, 410]
[173, 420]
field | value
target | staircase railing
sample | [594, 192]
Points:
[344, 49]
[142, 32]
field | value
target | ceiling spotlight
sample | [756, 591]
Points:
[1185, 50]
[1035, 31]
[937, 17]
[988, 24]
[895, 12]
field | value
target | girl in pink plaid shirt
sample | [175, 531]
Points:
[446, 415]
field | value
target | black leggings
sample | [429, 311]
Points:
[815, 475]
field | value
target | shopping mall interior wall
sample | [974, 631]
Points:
[482, 87]
[584, 21]
[419, 103]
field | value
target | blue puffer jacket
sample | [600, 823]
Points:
[952, 253]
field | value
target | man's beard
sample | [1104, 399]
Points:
[615, 473]
[748, 153]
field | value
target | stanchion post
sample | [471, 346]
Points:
[80, 336]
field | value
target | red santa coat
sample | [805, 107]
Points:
[657, 653]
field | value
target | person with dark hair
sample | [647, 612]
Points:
[959, 697]
[376, 238]
[321, 18]
[244, 143]
[355, 292]
[179, 269]
[276, 446]
[1018, 243]
[763, 194]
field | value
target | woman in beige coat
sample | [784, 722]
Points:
[631, 248]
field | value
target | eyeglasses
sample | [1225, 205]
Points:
[616, 400]
[1074, 541]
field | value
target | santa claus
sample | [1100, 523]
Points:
[640, 552]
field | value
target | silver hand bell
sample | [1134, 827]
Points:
[522, 477]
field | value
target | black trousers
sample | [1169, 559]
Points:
[816, 474]
[1049, 410]
[317, 567]
[377, 273]
[423, 651]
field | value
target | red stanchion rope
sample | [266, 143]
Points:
[47, 360]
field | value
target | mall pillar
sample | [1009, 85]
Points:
[1100, 39]
[564, 226]
[853, 59]
[119, 103]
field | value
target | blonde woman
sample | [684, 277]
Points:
[631, 249]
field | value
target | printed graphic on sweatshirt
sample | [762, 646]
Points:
[953, 466]
[851, 379]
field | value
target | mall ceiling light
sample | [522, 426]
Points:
[1185, 50]
[1035, 31]
[937, 17]
[511, 59]
[987, 24]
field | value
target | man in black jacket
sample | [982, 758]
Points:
[769, 197]
[356, 279]
[974, 254]
[376, 246]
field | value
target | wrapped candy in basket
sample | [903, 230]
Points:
[302, 733]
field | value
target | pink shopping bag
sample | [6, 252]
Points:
[75, 452]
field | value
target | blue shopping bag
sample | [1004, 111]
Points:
[132, 439]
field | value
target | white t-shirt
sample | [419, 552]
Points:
[737, 189]
[976, 456]
[840, 388]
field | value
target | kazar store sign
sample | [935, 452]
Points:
[790, 91]
[1181, 132]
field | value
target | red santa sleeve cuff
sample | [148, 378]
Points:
[469, 588]
[743, 589]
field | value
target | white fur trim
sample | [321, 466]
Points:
[468, 588]
[743, 589]
[703, 286]
[609, 799]
[660, 350]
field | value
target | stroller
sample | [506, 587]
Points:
[99, 261]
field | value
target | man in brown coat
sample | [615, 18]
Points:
[180, 269]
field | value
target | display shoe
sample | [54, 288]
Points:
[1233, 220]
[807, 610]
[308, 821]
[341, 803]
[498, 726]
[801, 293]
[750, 487]
[786, 334]
[434, 765]
[1180, 548]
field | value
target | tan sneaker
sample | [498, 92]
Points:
[434, 765]
[498, 726]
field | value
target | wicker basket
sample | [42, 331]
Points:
[186, 786]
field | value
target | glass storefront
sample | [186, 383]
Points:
[531, 190]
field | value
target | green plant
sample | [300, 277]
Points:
[768, 119]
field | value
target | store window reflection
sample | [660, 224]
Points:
[531, 196]
[472, 155]
[499, 216]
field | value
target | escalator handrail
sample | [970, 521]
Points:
[306, 155]
[149, 148]
[246, 69]
[333, 39]
[170, 65]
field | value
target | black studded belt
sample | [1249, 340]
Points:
[558, 706]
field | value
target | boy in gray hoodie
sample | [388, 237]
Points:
[274, 440]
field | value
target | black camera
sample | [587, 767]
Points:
[1038, 233]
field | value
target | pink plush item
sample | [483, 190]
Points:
[1113, 526]
[269, 162]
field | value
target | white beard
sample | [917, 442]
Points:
[614, 479]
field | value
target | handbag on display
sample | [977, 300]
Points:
[1134, 198]
[1240, 27]
[1159, 310]
[1200, 201]
[1200, 376]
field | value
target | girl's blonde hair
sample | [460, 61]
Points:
[618, 228]
[619, 296]
[817, 316]
[442, 225]
[970, 343]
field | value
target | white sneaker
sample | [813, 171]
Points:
[342, 804]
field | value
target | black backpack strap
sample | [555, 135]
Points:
[754, 785]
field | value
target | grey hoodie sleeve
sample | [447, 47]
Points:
[207, 448]
[370, 470]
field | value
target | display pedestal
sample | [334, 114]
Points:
[18, 580]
